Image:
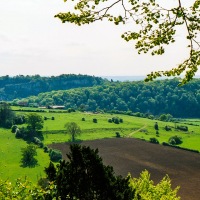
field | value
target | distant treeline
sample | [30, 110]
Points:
[24, 86]
[154, 98]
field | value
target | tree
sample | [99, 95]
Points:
[145, 189]
[35, 123]
[85, 176]
[73, 129]
[157, 24]
[28, 156]
[156, 126]
[6, 115]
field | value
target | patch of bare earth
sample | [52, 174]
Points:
[133, 155]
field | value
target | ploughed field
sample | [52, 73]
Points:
[133, 155]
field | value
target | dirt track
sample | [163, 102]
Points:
[132, 155]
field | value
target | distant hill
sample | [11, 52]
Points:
[124, 78]
[24, 86]
[153, 98]
[133, 78]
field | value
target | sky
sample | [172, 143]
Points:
[33, 42]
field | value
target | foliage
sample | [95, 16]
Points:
[19, 119]
[35, 122]
[165, 117]
[182, 128]
[168, 128]
[55, 155]
[175, 140]
[146, 190]
[22, 189]
[20, 86]
[73, 129]
[38, 142]
[14, 128]
[28, 156]
[118, 135]
[154, 140]
[134, 98]
[6, 115]
[95, 120]
[157, 25]
[22, 132]
[156, 126]
[85, 177]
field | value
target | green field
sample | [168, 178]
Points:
[54, 131]
[10, 156]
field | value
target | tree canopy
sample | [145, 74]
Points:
[73, 129]
[35, 122]
[157, 24]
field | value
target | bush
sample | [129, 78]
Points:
[95, 120]
[118, 135]
[110, 120]
[175, 140]
[55, 155]
[53, 118]
[167, 128]
[46, 149]
[154, 140]
[116, 120]
[19, 119]
[83, 119]
[14, 128]
[182, 128]
[38, 142]
[22, 133]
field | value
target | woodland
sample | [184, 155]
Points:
[153, 98]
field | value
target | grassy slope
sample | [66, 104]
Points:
[142, 128]
[132, 126]
[10, 155]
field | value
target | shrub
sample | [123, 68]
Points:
[22, 133]
[116, 120]
[46, 149]
[14, 128]
[118, 135]
[38, 142]
[19, 119]
[154, 140]
[182, 128]
[55, 155]
[95, 120]
[156, 126]
[83, 119]
[175, 140]
[110, 120]
[167, 128]
[53, 118]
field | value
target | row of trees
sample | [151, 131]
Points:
[154, 98]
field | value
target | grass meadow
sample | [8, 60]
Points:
[54, 132]
[10, 156]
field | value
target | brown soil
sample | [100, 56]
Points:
[132, 155]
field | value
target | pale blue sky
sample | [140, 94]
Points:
[32, 42]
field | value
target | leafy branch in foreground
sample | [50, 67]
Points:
[157, 27]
